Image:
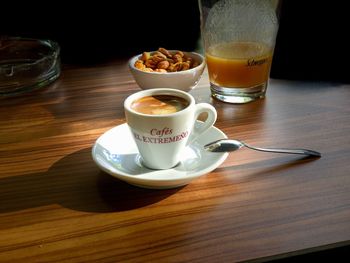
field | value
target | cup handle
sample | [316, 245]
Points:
[207, 124]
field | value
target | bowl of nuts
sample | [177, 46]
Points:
[167, 69]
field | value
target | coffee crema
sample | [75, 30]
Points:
[159, 104]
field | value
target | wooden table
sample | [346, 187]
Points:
[57, 206]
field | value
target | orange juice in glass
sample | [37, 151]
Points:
[239, 65]
[239, 68]
[239, 39]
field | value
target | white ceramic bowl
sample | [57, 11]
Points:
[182, 80]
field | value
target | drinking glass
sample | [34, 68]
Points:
[239, 38]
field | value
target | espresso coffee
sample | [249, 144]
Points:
[162, 123]
[159, 104]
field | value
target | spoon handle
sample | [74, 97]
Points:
[284, 150]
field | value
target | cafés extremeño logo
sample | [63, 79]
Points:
[160, 136]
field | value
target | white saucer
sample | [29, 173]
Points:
[115, 152]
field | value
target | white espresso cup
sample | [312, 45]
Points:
[162, 122]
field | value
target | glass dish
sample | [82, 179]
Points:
[27, 64]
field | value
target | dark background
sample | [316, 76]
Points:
[312, 43]
[96, 31]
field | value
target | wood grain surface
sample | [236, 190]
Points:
[57, 206]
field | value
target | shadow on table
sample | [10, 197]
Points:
[268, 167]
[77, 183]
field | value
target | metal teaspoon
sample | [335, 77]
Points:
[226, 145]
